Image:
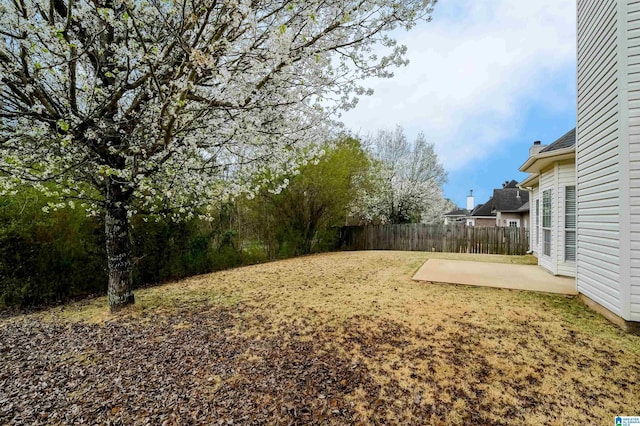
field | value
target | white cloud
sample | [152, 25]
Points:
[474, 71]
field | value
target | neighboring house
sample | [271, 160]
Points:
[482, 215]
[552, 183]
[507, 207]
[525, 214]
[460, 215]
[456, 216]
[608, 158]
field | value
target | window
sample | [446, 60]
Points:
[570, 224]
[537, 224]
[513, 223]
[546, 222]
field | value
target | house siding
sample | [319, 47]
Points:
[566, 176]
[534, 222]
[525, 222]
[633, 88]
[547, 182]
[598, 153]
[483, 223]
[506, 217]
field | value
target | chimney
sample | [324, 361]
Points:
[536, 148]
[470, 201]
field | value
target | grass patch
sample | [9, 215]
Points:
[164, 299]
[355, 340]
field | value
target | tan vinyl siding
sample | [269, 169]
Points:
[633, 60]
[506, 217]
[598, 193]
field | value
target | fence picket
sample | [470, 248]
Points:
[442, 238]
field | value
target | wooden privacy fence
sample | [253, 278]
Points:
[440, 238]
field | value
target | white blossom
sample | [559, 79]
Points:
[405, 184]
[161, 107]
[183, 102]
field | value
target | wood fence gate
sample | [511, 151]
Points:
[440, 238]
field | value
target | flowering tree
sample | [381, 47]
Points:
[435, 210]
[406, 184]
[159, 106]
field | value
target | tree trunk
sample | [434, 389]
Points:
[120, 288]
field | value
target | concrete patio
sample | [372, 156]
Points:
[500, 275]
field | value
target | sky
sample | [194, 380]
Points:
[486, 78]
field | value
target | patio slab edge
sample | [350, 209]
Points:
[497, 275]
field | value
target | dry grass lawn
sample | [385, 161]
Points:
[340, 338]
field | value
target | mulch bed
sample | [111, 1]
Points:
[163, 372]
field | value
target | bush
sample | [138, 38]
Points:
[302, 218]
[47, 258]
[165, 251]
[50, 258]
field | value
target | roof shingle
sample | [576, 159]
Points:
[458, 212]
[509, 199]
[565, 141]
[484, 209]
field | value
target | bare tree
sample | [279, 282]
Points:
[157, 107]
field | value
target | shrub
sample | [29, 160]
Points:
[47, 258]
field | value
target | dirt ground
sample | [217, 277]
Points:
[341, 338]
